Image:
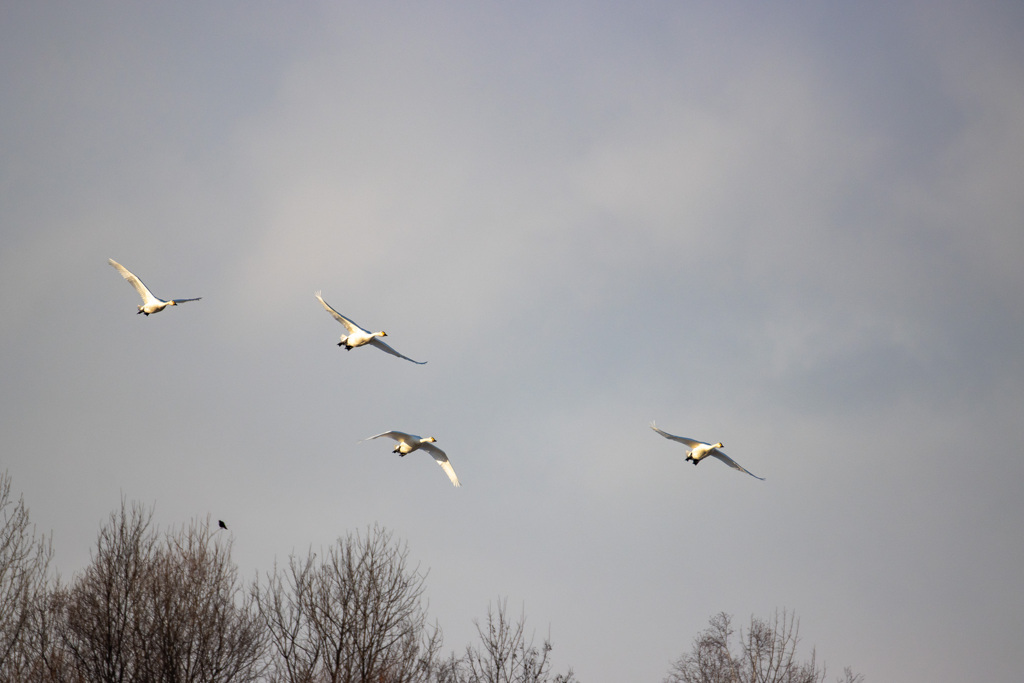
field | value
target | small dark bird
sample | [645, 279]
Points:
[221, 524]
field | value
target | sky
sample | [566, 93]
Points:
[795, 228]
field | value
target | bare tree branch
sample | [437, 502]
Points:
[505, 654]
[767, 654]
[24, 566]
[146, 610]
[355, 615]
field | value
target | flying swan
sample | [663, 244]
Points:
[150, 304]
[357, 336]
[407, 443]
[698, 450]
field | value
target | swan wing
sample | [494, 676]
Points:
[732, 463]
[442, 460]
[387, 349]
[349, 325]
[397, 436]
[147, 296]
[681, 439]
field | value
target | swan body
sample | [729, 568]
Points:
[357, 336]
[407, 443]
[698, 450]
[150, 303]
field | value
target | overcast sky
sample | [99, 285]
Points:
[794, 228]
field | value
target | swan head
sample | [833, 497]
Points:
[430, 439]
[382, 333]
[717, 445]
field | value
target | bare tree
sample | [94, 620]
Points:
[102, 624]
[205, 628]
[354, 616]
[850, 677]
[24, 564]
[150, 611]
[49, 660]
[431, 667]
[170, 608]
[505, 655]
[285, 606]
[766, 654]
[712, 659]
